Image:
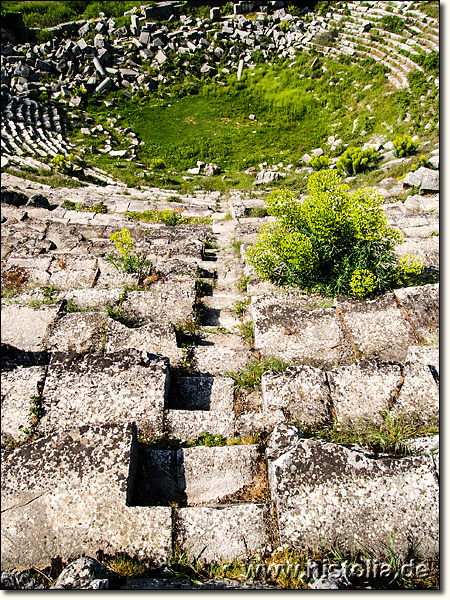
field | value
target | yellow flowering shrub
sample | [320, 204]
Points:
[335, 241]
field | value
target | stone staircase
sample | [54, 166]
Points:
[97, 411]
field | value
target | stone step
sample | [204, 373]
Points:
[201, 393]
[222, 533]
[47, 516]
[200, 476]
[190, 424]
[218, 311]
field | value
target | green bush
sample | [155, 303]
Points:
[157, 163]
[319, 162]
[335, 242]
[355, 160]
[404, 146]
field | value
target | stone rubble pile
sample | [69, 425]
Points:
[106, 57]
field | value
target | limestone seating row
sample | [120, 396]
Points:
[366, 390]
[290, 328]
[323, 494]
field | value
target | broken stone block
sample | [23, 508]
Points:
[378, 327]
[210, 474]
[222, 533]
[328, 494]
[285, 328]
[419, 394]
[68, 271]
[161, 57]
[301, 393]
[202, 393]
[190, 424]
[81, 574]
[86, 508]
[39, 201]
[25, 327]
[78, 332]
[20, 386]
[422, 306]
[103, 86]
[211, 169]
[266, 176]
[117, 387]
[363, 390]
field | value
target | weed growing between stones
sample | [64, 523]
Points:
[242, 283]
[165, 442]
[249, 377]
[247, 330]
[166, 216]
[127, 566]
[389, 436]
[240, 306]
[335, 242]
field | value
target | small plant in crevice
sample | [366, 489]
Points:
[242, 283]
[236, 245]
[127, 261]
[203, 288]
[247, 330]
[387, 436]
[249, 377]
[240, 306]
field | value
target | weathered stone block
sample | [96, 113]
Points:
[25, 327]
[422, 305]
[419, 394]
[78, 332]
[209, 474]
[222, 533]
[327, 494]
[286, 329]
[189, 424]
[165, 306]
[19, 386]
[301, 393]
[155, 338]
[426, 355]
[95, 389]
[378, 327]
[202, 393]
[67, 494]
[216, 360]
[363, 390]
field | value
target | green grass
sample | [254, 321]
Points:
[249, 377]
[388, 436]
